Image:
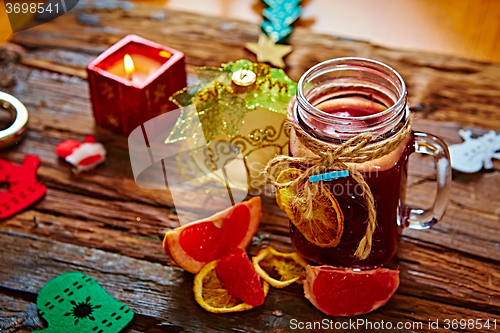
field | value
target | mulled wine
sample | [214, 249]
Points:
[336, 101]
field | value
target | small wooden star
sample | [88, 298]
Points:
[268, 51]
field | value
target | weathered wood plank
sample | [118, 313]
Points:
[114, 180]
[427, 63]
[18, 314]
[162, 292]
[74, 211]
[445, 272]
[424, 267]
[475, 231]
[443, 88]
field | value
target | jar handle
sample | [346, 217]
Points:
[431, 145]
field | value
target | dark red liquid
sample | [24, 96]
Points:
[388, 187]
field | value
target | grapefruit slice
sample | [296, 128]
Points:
[194, 245]
[240, 278]
[345, 292]
[212, 295]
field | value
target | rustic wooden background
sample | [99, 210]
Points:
[464, 28]
[90, 222]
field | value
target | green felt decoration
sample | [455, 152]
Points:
[76, 303]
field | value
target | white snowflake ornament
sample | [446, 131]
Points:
[471, 155]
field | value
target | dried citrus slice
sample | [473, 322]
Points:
[285, 195]
[325, 227]
[212, 295]
[286, 267]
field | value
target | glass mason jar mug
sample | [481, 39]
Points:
[337, 100]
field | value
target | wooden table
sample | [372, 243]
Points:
[89, 222]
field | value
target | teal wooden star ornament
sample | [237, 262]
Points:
[278, 19]
[276, 29]
[268, 51]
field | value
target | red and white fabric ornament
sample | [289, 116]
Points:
[84, 156]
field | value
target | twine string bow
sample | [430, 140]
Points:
[357, 150]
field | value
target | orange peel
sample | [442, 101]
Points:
[285, 195]
[325, 227]
[211, 295]
[289, 266]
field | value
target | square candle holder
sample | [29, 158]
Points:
[122, 101]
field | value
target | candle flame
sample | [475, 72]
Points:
[129, 64]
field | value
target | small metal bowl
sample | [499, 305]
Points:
[15, 132]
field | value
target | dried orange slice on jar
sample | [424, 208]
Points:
[326, 225]
[279, 269]
[285, 195]
[212, 295]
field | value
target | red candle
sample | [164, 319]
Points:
[130, 83]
